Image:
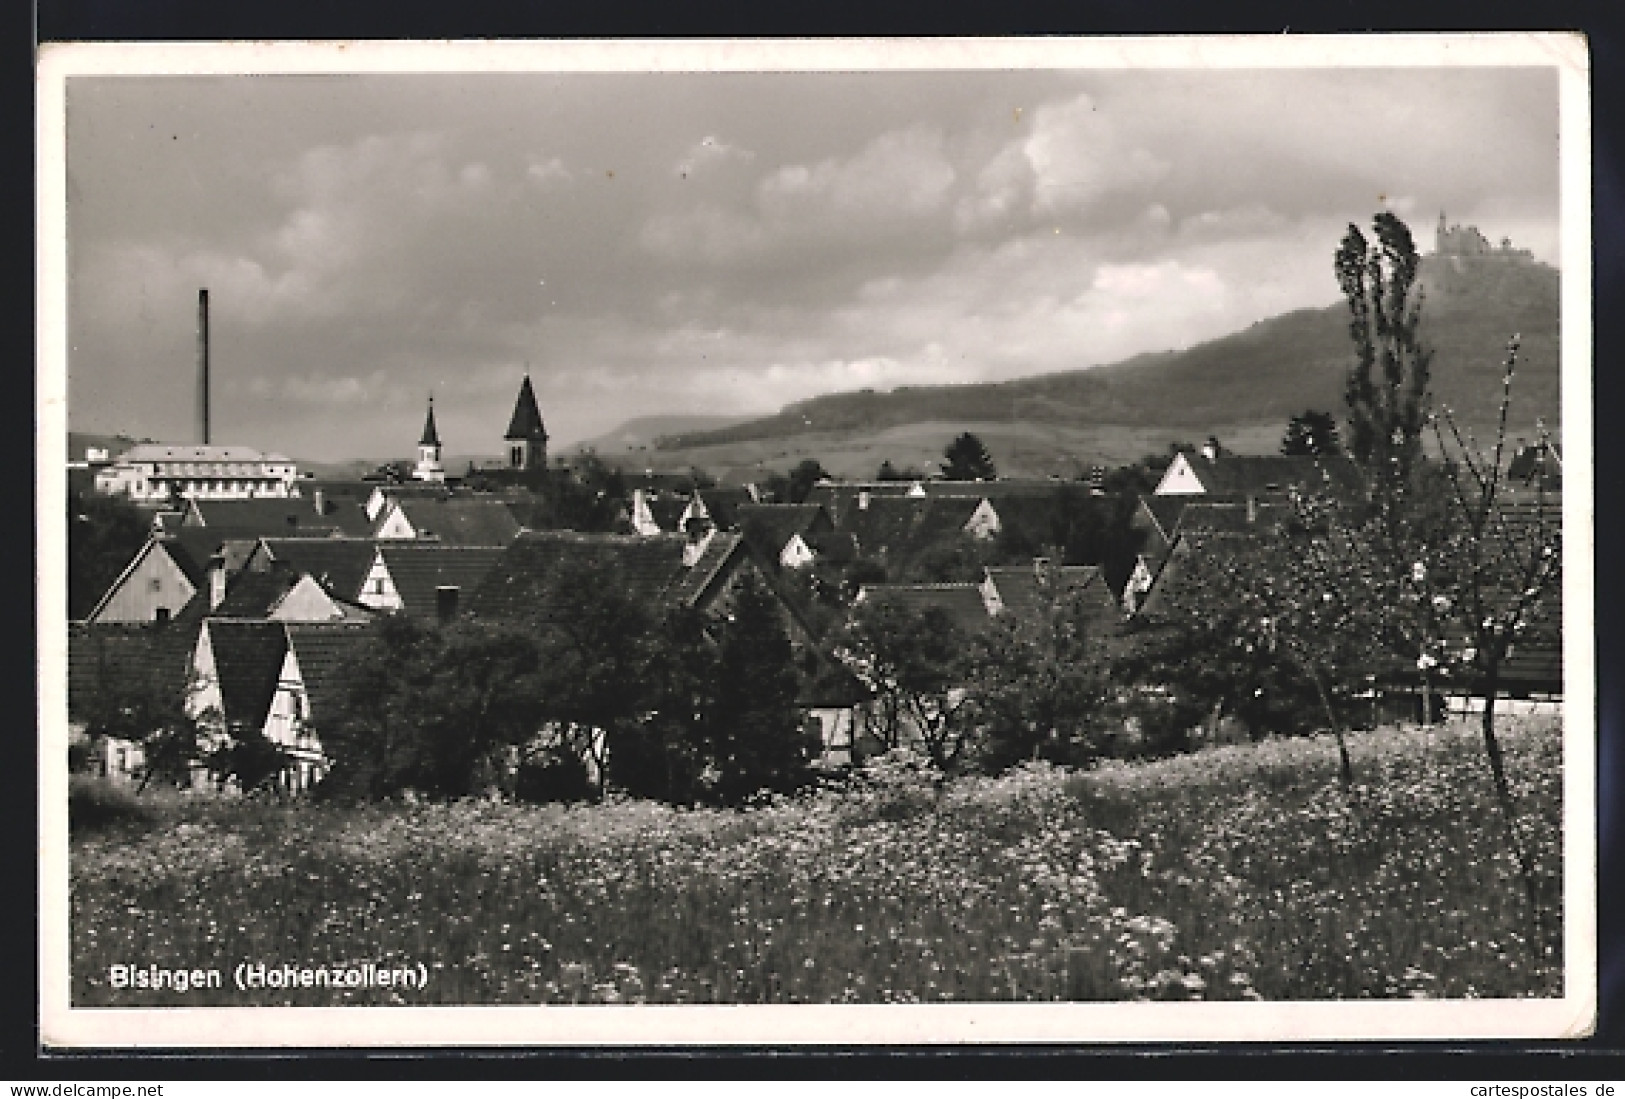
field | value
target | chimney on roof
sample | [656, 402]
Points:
[445, 602]
[863, 500]
[1210, 449]
[1041, 571]
[1252, 509]
[203, 365]
[217, 580]
[319, 498]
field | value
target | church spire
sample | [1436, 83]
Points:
[429, 467]
[526, 437]
[431, 437]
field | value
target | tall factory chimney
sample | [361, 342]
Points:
[203, 364]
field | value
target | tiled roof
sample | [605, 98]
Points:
[461, 521]
[1024, 589]
[837, 547]
[253, 594]
[327, 656]
[202, 543]
[339, 564]
[667, 511]
[106, 654]
[162, 452]
[291, 516]
[1026, 596]
[722, 504]
[419, 569]
[1161, 514]
[898, 526]
[1243, 473]
[409, 490]
[884, 527]
[942, 518]
[994, 490]
[769, 526]
[195, 569]
[691, 586]
[524, 582]
[962, 603]
[247, 661]
[335, 488]
[1175, 566]
[1232, 515]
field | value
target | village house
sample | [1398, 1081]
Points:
[108, 664]
[451, 520]
[339, 565]
[275, 679]
[786, 533]
[426, 580]
[282, 516]
[1212, 471]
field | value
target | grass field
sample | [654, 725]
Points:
[1238, 872]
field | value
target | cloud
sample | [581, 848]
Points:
[546, 171]
[1078, 154]
[887, 190]
[367, 243]
[709, 152]
[335, 389]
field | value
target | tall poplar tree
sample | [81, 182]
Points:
[1387, 387]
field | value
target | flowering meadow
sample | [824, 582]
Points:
[1241, 872]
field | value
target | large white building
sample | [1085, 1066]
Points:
[155, 471]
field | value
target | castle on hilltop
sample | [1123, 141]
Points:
[1466, 241]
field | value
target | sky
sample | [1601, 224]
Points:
[725, 243]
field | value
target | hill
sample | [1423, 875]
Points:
[1242, 384]
[647, 431]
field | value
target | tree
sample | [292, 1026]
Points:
[482, 699]
[967, 459]
[134, 708]
[598, 645]
[917, 664]
[807, 473]
[1494, 576]
[437, 710]
[104, 535]
[1282, 620]
[1313, 433]
[1041, 688]
[754, 736]
[662, 756]
[1387, 385]
[590, 496]
[889, 472]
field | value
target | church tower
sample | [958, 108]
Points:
[526, 437]
[429, 467]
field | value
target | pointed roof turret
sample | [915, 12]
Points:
[527, 417]
[431, 437]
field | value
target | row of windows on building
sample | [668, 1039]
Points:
[202, 486]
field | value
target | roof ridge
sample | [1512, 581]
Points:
[927, 587]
